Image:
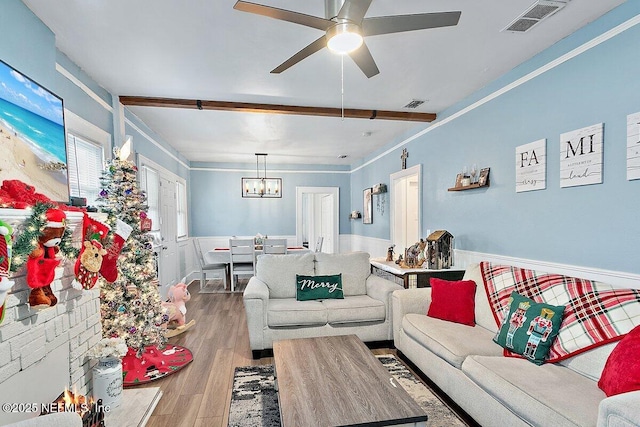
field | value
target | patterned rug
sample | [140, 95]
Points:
[254, 401]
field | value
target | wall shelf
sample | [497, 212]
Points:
[468, 187]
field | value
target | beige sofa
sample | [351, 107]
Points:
[500, 391]
[273, 313]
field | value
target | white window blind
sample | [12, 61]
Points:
[85, 163]
[181, 208]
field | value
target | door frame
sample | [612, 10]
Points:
[334, 192]
[165, 174]
[393, 178]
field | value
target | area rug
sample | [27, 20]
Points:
[154, 364]
[254, 401]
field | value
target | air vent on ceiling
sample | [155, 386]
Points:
[415, 103]
[540, 10]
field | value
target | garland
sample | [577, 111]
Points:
[32, 229]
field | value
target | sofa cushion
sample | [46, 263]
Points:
[279, 272]
[452, 342]
[529, 327]
[453, 300]
[484, 314]
[357, 308]
[289, 312]
[622, 371]
[539, 394]
[355, 269]
[318, 287]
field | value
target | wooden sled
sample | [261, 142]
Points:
[180, 329]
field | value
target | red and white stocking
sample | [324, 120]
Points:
[109, 269]
[5, 263]
[89, 260]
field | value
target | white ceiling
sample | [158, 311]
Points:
[204, 49]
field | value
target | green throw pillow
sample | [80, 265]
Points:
[529, 328]
[319, 287]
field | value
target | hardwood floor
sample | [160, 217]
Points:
[200, 394]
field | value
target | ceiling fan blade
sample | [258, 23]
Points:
[401, 23]
[354, 10]
[363, 59]
[307, 51]
[284, 15]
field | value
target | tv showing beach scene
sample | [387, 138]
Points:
[32, 135]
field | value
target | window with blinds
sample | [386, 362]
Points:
[85, 163]
[151, 185]
[181, 208]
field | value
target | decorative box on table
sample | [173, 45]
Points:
[439, 250]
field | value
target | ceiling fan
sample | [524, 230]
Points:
[345, 27]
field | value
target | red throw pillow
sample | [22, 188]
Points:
[621, 373]
[453, 301]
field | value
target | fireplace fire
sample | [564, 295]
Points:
[92, 412]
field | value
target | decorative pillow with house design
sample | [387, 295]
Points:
[529, 328]
[319, 287]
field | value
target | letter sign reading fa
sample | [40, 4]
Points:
[581, 156]
[531, 166]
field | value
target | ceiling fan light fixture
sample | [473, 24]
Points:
[344, 38]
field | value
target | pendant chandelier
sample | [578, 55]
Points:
[261, 186]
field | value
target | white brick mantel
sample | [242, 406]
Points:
[42, 352]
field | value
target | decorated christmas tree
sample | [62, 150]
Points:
[130, 303]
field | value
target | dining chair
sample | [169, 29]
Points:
[319, 244]
[274, 246]
[208, 267]
[243, 259]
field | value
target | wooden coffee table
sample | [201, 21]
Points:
[337, 381]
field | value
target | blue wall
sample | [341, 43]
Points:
[217, 208]
[597, 225]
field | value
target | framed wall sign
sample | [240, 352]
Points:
[367, 206]
[633, 146]
[581, 156]
[531, 166]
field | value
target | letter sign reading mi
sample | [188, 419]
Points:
[581, 156]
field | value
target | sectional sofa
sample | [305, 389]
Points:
[470, 367]
[274, 313]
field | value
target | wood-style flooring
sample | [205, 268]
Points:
[199, 395]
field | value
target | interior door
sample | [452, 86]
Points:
[168, 254]
[405, 208]
[326, 223]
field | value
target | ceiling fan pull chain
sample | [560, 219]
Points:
[342, 85]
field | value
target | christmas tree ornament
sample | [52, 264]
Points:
[6, 234]
[87, 267]
[43, 260]
[109, 268]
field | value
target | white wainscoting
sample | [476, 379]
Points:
[619, 279]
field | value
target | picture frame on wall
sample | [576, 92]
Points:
[367, 206]
[483, 179]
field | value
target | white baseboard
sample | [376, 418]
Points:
[619, 279]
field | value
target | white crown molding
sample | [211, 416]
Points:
[156, 143]
[83, 87]
[283, 171]
[522, 80]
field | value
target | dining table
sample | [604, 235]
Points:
[222, 255]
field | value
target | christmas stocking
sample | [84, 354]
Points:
[89, 260]
[40, 273]
[5, 264]
[109, 269]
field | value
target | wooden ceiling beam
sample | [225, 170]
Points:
[246, 107]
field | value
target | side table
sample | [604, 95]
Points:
[412, 277]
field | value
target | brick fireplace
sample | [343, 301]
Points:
[42, 353]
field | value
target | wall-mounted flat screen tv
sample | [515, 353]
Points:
[32, 135]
